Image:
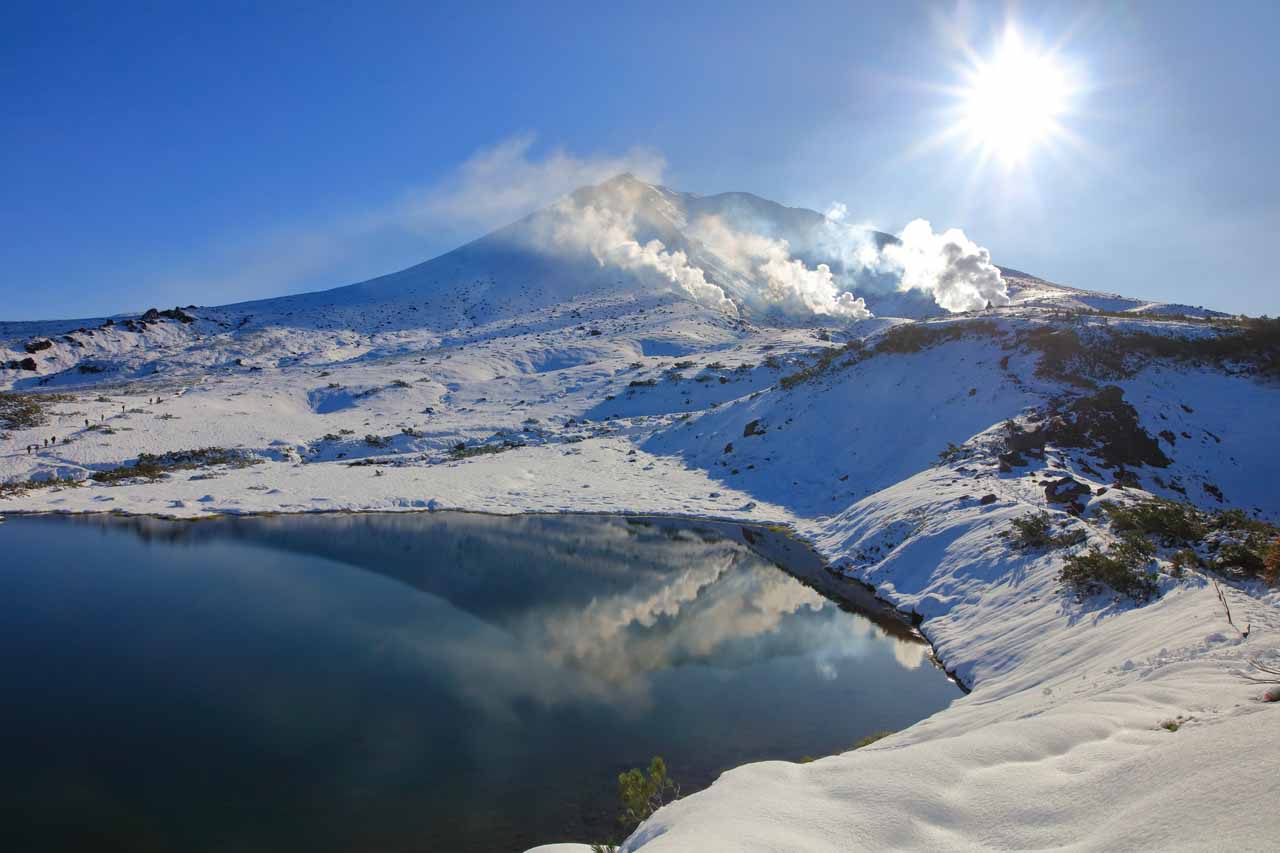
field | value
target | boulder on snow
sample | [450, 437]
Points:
[1020, 441]
[1067, 490]
[1012, 459]
[753, 428]
[37, 346]
[152, 315]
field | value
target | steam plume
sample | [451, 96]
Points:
[955, 270]
[788, 283]
[609, 236]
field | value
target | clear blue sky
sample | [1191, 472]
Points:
[175, 153]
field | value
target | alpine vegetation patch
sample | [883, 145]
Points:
[153, 466]
[1126, 567]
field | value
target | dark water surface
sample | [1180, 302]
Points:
[412, 682]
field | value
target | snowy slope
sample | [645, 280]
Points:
[593, 391]
[1029, 290]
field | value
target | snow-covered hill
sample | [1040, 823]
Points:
[632, 349]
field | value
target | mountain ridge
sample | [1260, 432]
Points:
[522, 270]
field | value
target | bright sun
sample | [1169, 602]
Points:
[1014, 99]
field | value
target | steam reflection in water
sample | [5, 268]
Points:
[408, 681]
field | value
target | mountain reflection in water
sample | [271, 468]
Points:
[413, 681]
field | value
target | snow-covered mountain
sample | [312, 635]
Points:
[632, 349]
[515, 279]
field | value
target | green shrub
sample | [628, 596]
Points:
[462, 451]
[17, 488]
[1271, 563]
[1241, 522]
[1035, 530]
[901, 339]
[914, 337]
[870, 739]
[152, 466]
[820, 366]
[642, 794]
[1184, 559]
[1175, 524]
[1172, 522]
[1254, 551]
[23, 411]
[1239, 558]
[1254, 343]
[1123, 567]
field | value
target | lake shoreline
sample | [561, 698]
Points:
[639, 634]
[831, 583]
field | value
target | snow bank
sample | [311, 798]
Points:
[604, 402]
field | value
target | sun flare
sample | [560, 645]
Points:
[1014, 100]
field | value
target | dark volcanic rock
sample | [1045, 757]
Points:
[1012, 459]
[1102, 423]
[1022, 441]
[152, 315]
[1065, 490]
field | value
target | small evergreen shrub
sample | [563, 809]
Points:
[1271, 563]
[1035, 530]
[870, 739]
[1239, 558]
[17, 488]
[820, 366]
[23, 411]
[462, 451]
[1253, 549]
[642, 794]
[914, 337]
[1172, 522]
[152, 466]
[1123, 567]
[1184, 559]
